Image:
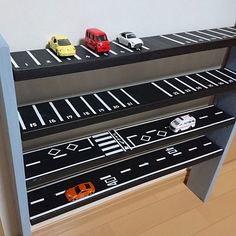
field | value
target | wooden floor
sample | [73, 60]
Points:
[166, 208]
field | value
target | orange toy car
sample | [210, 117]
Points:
[80, 191]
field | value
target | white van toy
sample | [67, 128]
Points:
[182, 123]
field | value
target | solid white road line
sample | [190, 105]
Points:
[114, 53]
[145, 47]
[224, 30]
[111, 94]
[103, 103]
[99, 135]
[233, 72]
[38, 115]
[231, 28]
[211, 82]
[87, 104]
[217, 77]
[122, 46]
[103, 139]
[110, 147]
[77, 57]
[34, 58]
[21, 121]
[129, 96]
[164, 91]
[56, 111]
[72, 108]
[185, 84]
[187, 76]
[59, 156]
[114, 152]
[106, 143]
[191, 40]
[173, 40]
[93, 53]
[226, 75]
[167, 82]
[14, 63]
[212, 36]
[216, 32]
[52, 54]
[84, 149]
[33, 163]
[197, 36]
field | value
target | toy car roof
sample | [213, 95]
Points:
[96, 32]
[60, 36]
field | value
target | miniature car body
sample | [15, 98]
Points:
[61, 45]
[97, 40]
[79, 191]
[129, 39]
[182, 123]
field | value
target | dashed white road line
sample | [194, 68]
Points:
[34, 58]
[14, 63]
[105, 177]
[114, 152]
[164, 91]
[178, 153]
[110, 147]
[191, 149]
[151, 131]
[127, 49]
[33, 163]
[37, 201]
[207, 144]
[202, 117]
[84, 149]
[144, 164]
[100, 135]
[106, 143]
[77, 57]
[161, 159]
[218, 113]
[53, 55]
[145, 47]
[59, 156]
[176, 41]
[114, 53]
[72, 108]
[60, 193]
[103, 139]
[124, 171]
[93, 53]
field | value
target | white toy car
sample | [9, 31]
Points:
[182, 123]
[129, 39]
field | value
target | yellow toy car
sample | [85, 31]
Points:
[61, 45]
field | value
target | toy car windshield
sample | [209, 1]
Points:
[131, 36]
[101, 38]
[63, 42]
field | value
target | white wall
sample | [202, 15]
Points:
[28, 24]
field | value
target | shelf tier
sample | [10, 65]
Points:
[60, 115]
[48, 201]
[49, 164]
[42, 63]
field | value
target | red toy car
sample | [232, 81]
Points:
[97, 40]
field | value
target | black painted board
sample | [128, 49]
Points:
[48, 201]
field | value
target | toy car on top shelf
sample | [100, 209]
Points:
[97, 40]
[80, 191]
[182, 123]
[129, 39]
[61, 45]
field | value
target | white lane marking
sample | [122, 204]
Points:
[62, 155]
[114, 53]
[87, 104]
[234, 33]
[103, 103]
[38, 115]
[102, 139]
[176, 41]
[187, 76]
[65, 167]
[125, 183]
[211, 82]
[185, 84]
[151, 131]
[56, 111]
[202, 117]
[217, 77]
[144, 164]
[216, 32]
[60, 193]
[129, 96]
[232, 28]
[37, 201]
[124, 171]
[207, 144]
[164, 91]
[52, 54]
[145, 47]
[132, 136]
[93, 53]
[105, 177]
[191, 149]
[21, 121]
[110, 147]
[176, 154]
[114, 152]
[191, 40]
[72, 108]
[84, 149]
[218, 113]
[90, 141]
[14, 63]
[106, 143]
[77, 57]
[233, 72]
[226, 75]
[167, 82]
[161, 159]
[33, 163]
[99, 135]
[212, 36]
[122, 46]
[197, 36]
[34, 58]
[111, 94]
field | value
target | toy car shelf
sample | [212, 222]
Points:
[60, 161]
[59, 115]
[42, 63]
[49, 200]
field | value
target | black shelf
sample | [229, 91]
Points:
[60, 115]
[48, 201]
[55, 162]
[43, 63]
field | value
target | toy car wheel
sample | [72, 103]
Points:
[117, 39]
[129, 45]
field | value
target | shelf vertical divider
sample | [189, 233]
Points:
[11, 145]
